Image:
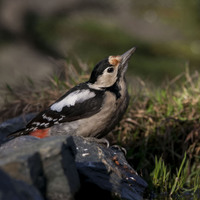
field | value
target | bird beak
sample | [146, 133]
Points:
[126, 56]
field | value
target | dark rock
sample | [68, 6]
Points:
[98, 166]
[108, 169]
[47, 164]
[11, 189]
[56, 164]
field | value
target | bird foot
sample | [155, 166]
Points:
[119, 148]
[99, 141]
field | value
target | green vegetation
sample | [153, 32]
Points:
[166, 182]
[91, 40]
[160, 129]
[161, 133]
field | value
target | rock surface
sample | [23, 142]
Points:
[47, 164]
[11, 189]
[70, 167]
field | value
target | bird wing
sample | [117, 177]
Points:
[79, 102]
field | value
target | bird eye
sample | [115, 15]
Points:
[110, 69]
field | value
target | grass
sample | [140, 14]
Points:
[166, 182]
[160, 129]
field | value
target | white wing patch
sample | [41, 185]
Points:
[77, 96]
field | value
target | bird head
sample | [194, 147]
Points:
[108, 71]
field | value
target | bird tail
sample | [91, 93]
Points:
[15, 134]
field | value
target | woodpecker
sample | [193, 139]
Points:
[90, 109]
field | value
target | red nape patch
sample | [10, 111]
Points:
[40, 133]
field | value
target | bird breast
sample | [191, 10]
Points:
[101, 123]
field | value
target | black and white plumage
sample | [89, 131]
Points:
[90, 109]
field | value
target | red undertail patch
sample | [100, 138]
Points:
[40, 133]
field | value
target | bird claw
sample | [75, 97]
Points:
[119, 148]
[99, 141]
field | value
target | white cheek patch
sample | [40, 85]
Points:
[77, 96]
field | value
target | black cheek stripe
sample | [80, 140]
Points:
[115, 89]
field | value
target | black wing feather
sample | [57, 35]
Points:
[48, 117]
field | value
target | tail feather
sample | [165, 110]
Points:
[16, 134]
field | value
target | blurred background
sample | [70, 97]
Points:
[34, 35]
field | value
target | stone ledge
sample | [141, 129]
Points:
[70, 167]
